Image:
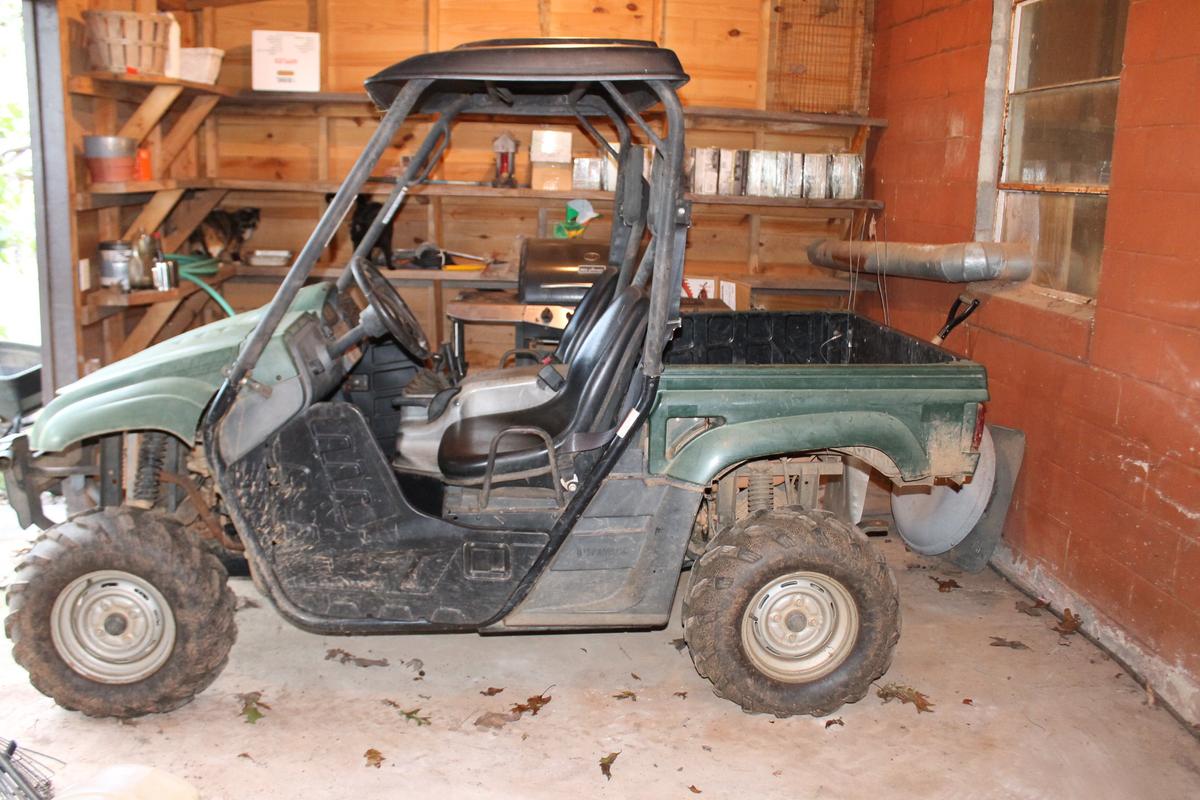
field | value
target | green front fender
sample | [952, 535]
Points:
[706, 456]
[171, 404]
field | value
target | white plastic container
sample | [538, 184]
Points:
[200, 64]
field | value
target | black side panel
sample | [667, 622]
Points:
[376, 380]
[802, 337]
[345, 549]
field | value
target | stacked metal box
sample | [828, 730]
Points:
[770, 173]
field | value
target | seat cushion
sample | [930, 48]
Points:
[463, 452]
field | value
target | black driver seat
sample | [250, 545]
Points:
[586, 314]
[597, 378]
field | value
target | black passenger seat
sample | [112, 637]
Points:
[597, 379]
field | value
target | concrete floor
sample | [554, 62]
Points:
[1059, 720]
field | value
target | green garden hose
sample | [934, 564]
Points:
[193, 268]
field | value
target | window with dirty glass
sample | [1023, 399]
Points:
[1060, 114]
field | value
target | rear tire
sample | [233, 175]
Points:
[119, 613]
[791, 612]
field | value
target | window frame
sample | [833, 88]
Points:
[1001, 189]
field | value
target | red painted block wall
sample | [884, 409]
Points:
[1109, 396]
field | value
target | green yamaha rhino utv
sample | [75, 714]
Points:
[372, 489]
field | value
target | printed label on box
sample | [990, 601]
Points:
[285, 61]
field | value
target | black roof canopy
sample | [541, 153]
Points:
[532, 76]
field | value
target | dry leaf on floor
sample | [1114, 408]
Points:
[532, 705]
[679, 644]
[491, 691]
[829, 723]
[1070, 623]
[947, 585]
[1032, 609]
[905, 694]
[692, 788]
[412, 716]
[374, 758]
[625, 694]
[606, 764]
[246, 756]
[681, 695]
[344, 657]
[1012, 644]
[968, 701]
[245, 602]
[635, 676]
[495, 720]
[252, 706]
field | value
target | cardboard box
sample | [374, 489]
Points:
[766, 173]
[706, 166]
[816, 176]
[735, 294]
[285, 61]
[551, 177]
[846, 176]
[588, 173]
[550, 147]
[794, 186]
[610, 170]
[698, 288]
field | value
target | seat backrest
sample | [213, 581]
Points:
[586, 314]
[601, 362]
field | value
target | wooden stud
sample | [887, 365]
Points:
[147, 328]
[185, 128]
[150, 112]
[112, 331]
[211, 153]
[858, 144]
[183, 318]
[153, 213]
[323, 149]
[188, 214]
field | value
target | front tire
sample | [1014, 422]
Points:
[791, 612]
[119, 613]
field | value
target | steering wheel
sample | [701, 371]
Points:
[389, 306]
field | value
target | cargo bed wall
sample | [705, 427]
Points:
[818, 337]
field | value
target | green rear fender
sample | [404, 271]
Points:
[704, 457]
[171, 404]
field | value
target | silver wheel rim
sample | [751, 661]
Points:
[112, 627]
[800, 627]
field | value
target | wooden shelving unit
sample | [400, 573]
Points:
[170, 115]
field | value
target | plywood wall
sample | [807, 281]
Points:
[796, 54]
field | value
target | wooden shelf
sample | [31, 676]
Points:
[115, 84]
[84, 199]
[111, 298]
[142, 187]
[478, 277]
[787, 121]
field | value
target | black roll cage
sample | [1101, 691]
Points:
[667, 217]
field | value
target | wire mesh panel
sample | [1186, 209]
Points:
[821, 55]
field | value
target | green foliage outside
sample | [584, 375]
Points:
[18, 261]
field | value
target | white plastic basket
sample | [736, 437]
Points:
[200, 64]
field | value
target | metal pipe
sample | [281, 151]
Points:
[952, 263]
